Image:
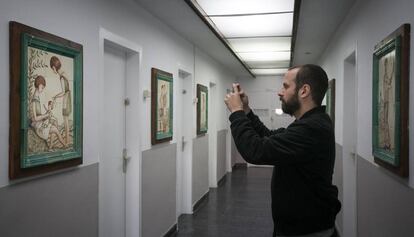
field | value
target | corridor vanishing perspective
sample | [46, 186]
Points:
[131, 118]
[240, 207]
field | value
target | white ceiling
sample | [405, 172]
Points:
[318, 20]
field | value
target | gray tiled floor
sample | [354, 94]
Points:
[239, 207]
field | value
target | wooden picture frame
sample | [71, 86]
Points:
[202, 109]
[161, 106]
[45, 102]
[390, 101]
[330, 100]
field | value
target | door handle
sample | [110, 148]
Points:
[182, 143]
[125, 160]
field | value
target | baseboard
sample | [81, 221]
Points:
[171, 232]
[240, 166]
[222, 180]
[259, 166]
[203, 199]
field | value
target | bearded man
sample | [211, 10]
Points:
[304, 200]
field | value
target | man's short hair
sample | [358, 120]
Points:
[315, 77]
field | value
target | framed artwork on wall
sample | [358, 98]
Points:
[45, 102]
[161, 106]
[390, 101]
[202, 109]
[330, 100]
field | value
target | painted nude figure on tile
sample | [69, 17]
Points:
[386, 102]
[163, 109]
[43, 124]
[65, 94]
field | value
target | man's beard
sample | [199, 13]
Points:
[291, 106]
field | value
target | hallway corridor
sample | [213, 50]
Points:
[240, 206]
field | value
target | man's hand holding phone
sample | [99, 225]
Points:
[243, 96]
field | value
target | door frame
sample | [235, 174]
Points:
[184, 156]
[350, 145]
[133, 69]
[212, 134]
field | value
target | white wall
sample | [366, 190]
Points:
[368, 22]
[262, 83]
[208, 71]
[80, 21]
[262, 92]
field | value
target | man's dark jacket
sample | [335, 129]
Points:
[303, 155]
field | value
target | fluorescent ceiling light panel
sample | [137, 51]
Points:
[268, 64]
[255, 25]
[260, 44]
[227, 7]
[279, 71]
[259, 32]
[265, 56]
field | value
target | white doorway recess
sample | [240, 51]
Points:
[120, 155]
[212, 135]
[185, 142]
[349, 154]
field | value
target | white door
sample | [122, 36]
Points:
[349, 206]
[212, 135]
[184, 144]
[112, 177]
[259, 101]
